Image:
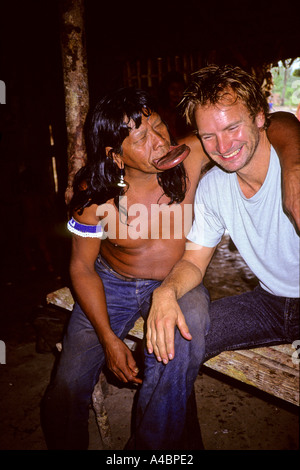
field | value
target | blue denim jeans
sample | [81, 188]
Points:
[162, 402]
[251, 319]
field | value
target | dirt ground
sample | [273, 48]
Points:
[232, 416]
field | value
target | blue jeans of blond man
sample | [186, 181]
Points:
[252, 319]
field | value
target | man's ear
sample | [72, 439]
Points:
[114, 156]
[260, 119]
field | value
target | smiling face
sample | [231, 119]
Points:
[145, 144]
[229, 134]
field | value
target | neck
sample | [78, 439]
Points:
[139, 179]
[253, 175]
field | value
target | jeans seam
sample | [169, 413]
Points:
[291, 311]
[286, 317]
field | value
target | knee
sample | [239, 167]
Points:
[65, 393]
[62, 386]
[72, 380]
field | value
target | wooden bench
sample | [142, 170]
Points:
[272, 369]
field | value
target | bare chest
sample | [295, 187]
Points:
[146, 218]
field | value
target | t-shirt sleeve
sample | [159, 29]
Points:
[207, 228]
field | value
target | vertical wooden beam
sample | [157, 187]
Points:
[159, 68]
[139, 73]
[74, 59]
[149, 74]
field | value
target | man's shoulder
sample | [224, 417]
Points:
[214, 187]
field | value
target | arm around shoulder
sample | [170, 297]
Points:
[284, 135]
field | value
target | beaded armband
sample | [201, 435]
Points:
[82, 230]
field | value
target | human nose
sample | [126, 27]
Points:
[158, 139]
[224, 144]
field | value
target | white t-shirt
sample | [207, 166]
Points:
[259, 228]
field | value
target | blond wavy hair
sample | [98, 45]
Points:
[214, 83]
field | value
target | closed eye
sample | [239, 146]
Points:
[158, 124]
[140, 138]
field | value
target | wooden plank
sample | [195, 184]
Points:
[138, 330]
[284, 348]
[270, 368]
[61, 298]
[271, 359]
[263, 375]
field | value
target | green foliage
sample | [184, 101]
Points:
[286, 89]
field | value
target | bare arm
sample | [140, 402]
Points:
[165, 313]
[91, 297]
[284, 135]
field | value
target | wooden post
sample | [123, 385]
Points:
[74, 59]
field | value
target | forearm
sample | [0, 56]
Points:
[284, 135]
[165, 313]
[91, 297]
[183, 278]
